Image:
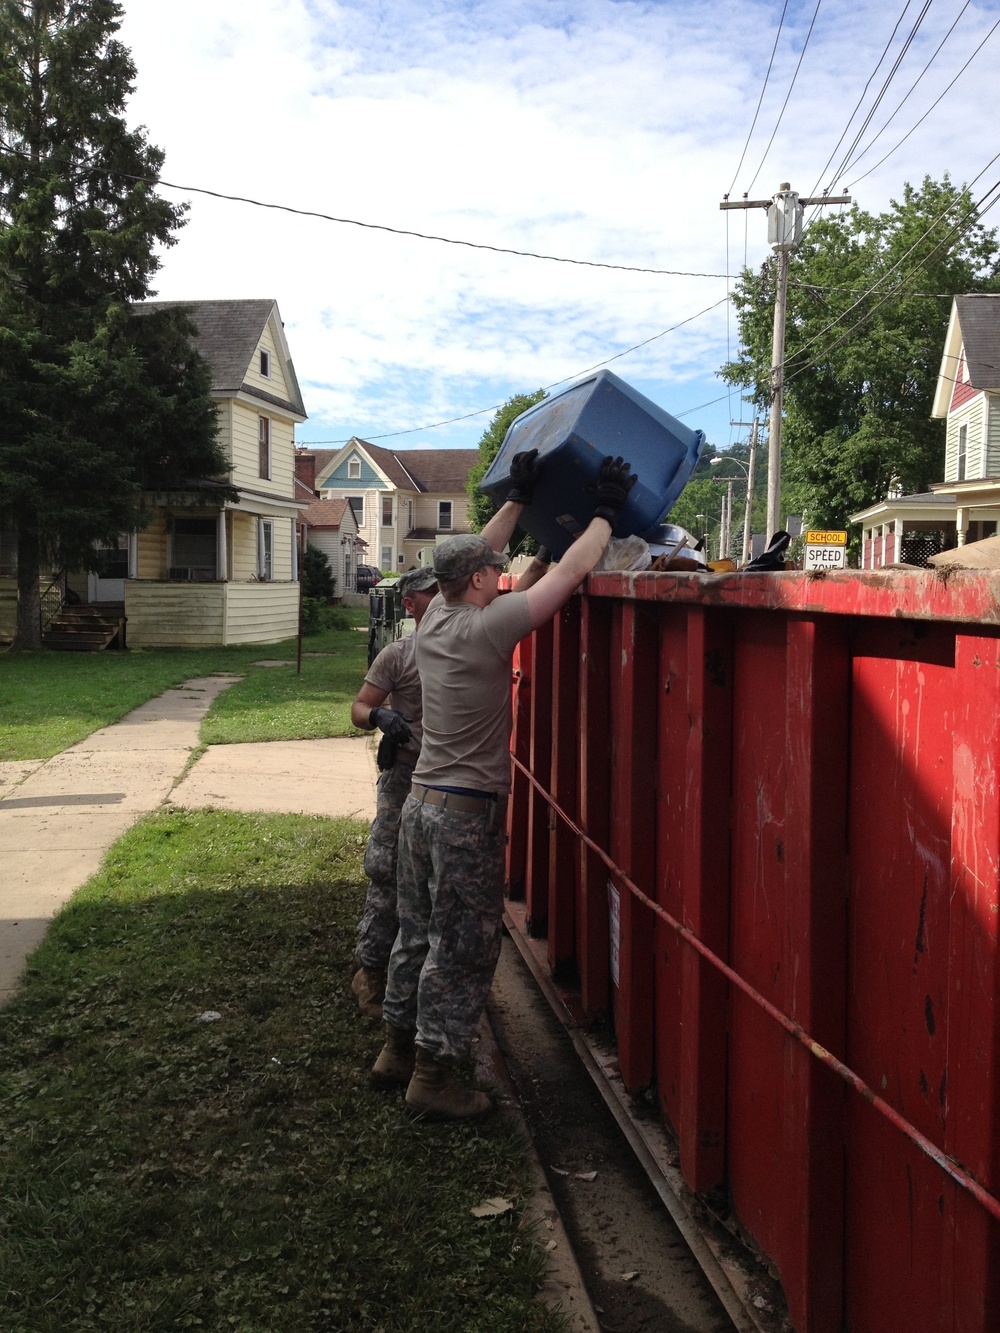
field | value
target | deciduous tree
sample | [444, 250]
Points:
[481, 507]
[869, 298]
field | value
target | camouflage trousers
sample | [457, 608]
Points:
[450, 883]
[378, 925]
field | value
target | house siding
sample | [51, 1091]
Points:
[962, 390]
[186, 615]
[340, 481]
[243, 547]
[246, 457]
[277, 384]
[175, 615]
[261, 612]
[971, 416]
[425, 511]
[993, 435]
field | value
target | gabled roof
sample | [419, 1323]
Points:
[325, 514]
[973, 329]
[228, 334]
[423, 470]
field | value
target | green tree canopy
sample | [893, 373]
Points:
[481, 507]
[869, 297]
[96, 401]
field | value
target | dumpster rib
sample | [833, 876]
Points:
[948, 1165]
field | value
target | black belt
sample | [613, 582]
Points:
[452, 800]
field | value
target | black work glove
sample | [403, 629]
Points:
[392, 723]
[525, 470]
[385, 755]
[614, 482]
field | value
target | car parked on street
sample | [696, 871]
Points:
[367, 577]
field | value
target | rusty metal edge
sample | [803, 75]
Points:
[649, 1145]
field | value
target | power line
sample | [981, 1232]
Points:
[926, 113]
[864, 93]
[760, 100]
[784, 104]
[419, 235]
[912, 88]
[882, 92]
[977, 211]
[888, 274]
[480, 411]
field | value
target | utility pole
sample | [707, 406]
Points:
[751, 478]
[751, 482]
[784, 232]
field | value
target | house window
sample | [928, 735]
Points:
[357, 503]
[963, 451]
[409, 516]
[444, 515]
[387, 511]
[386, 558]
[113, 560]
[402, 559]
[265, 364]
[354, 469]
[347, 570]
[264, 446]
[193, 548]
[265, 549]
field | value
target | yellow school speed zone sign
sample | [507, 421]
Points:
[825, 550]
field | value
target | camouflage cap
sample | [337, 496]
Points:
[417, 580]
[458, 557]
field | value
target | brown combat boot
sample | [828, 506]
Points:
[394, 1066]
[369, 987]
[435, 1094]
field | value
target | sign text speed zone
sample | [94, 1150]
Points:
[825, 550]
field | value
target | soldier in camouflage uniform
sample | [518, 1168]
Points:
[388, 699]
[450, 875]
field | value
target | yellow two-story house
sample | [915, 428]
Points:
[207, 571]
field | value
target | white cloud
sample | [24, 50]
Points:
[603, 130]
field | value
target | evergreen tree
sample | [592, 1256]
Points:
[481, 507]
[95, 400]
[860, 369]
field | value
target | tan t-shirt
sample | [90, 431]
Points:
[395, 670]
[464, 655]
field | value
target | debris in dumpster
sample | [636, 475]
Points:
[625, 553]
[773, 558]
[984, 554]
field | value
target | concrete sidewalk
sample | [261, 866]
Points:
[59, 816]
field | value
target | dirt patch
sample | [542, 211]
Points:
[641, 1276]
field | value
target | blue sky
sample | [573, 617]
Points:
[606, 130]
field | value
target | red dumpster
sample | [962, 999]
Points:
[762, 825]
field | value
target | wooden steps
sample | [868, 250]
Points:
[86, 629]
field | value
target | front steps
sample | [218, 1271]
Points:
[86, 629]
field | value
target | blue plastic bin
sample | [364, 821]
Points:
[573, 431]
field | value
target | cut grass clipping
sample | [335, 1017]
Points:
[188, 1138]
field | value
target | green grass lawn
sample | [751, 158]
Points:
[159, 1171]
[49, 700]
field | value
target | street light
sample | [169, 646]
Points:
[728, 510]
